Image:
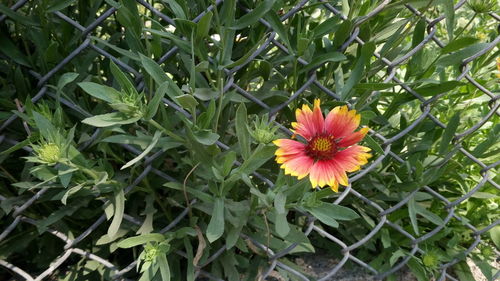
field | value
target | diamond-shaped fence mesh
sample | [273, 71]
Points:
[96, 45]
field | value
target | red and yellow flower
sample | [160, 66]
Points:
[330, 149]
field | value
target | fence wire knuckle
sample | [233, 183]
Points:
[273, 43]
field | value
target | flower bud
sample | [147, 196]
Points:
[150, 253]
[263, 131]
[481, 6]
[49, 153]
[431, 259]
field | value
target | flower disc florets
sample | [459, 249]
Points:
[49, 153]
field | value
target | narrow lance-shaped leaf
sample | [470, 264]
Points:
[110, 119]
[119, 209]
[216, 226]
[164, 268]
[281, 224]
[122, 79]
[155, 139]
[253, 16]
[412, 212]
[449, 132]
[203, 26]
[357, 73]
[101, 92]
[274, 20]
[156, 100]
[449, 13]
[242, 131]
[140, 239]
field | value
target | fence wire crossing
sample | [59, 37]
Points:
[272, 42]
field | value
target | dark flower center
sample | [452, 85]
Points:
[322, 147]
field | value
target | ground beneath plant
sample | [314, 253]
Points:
[318, 266]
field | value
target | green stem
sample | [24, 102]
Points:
[220, 81]
[87, 171]
[466, 26]
[165, 131]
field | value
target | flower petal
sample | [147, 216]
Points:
[309, 123]
[351, 159]
[298, 165]
[341, 122]
[287, 147]
[292, 155]
[322, 173]
[353, 138]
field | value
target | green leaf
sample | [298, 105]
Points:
[119, 50]
[164, 268]
[154, 70]
[187, 101]
[140, 240]
[56, 216]
[417, 269]
[229, 159]
[122, 79]
[206, 137]
[459, 56]
[462, 270]
[357, 72]
[343, 32]
[323, 216]
[65, 79]
[47, 130]
[179, 42]
[18, 18]
[435, 89]
[495, 235]
[458, 44]
[206, 94]
[373, 144]
[244, 58]
[119, 209]
[11, 51]
[142, 140]
[273, 19]
[328, 26]
[338, 212]
[101, 92]
[156, 137]
[159, 76]
[279, 202]
[176, 8]
[412, 212]
[281, 224]
[429, 215]
[203, 26]
[254, 15]
[110, 119]
[374, 86]
[323, 58]
[156, 100]
[449, 132]
[59, 5]
[215, 228]
[242, 133]
[260, 156]
[449, 13]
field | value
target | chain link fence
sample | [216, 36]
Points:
[18, 218]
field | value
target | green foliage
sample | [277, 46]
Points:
[141, 143]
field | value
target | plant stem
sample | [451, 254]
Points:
[220, 81]
[165, 131]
